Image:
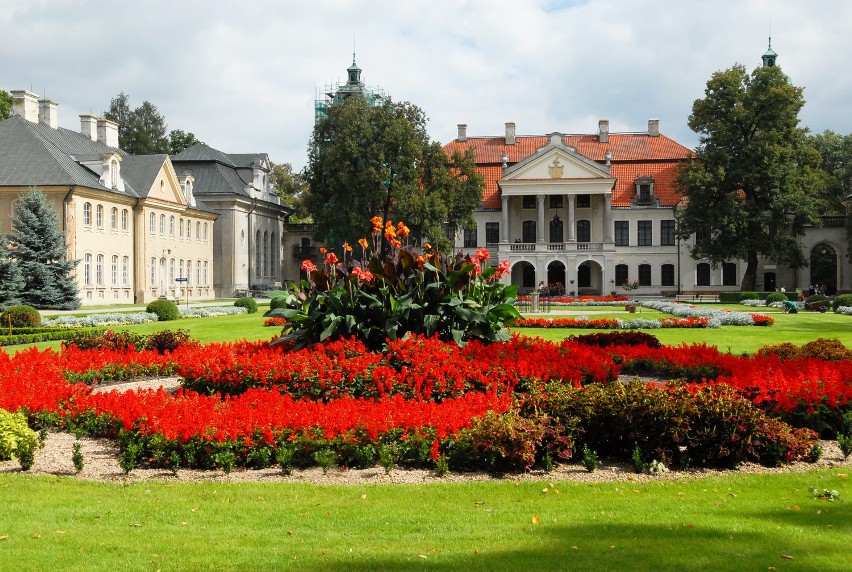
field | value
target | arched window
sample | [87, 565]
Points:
[171, 271]
[99, 216]
[87, 214]
[667, 275]
[265, 253]
[702, 274]
[205, 232]
[584, 231]
[257, 254]
[189, 229]
[114, 270]
[99, 270]
[172, 225]
[274, 256]
[125, 270]
[113, 174]
[198, 273]
[180, 227]
[162, 224]
[206, 275]
[124, 214]
[180, 267]
[113, 218]
[152, 223]
[87, 270]
[153, 271]
[188, 272]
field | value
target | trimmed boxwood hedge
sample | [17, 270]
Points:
[49, 335]
[737, 297]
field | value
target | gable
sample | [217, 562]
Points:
[558, 162]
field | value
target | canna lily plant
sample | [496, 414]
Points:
[395, 290]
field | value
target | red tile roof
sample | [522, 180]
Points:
[633, 155]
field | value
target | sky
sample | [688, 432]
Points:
[243, 75]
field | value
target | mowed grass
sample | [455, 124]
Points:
[736, 522]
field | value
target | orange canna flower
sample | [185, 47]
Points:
[363, 243]
[346, 247]
[323, 250]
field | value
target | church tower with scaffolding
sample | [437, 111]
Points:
[339, 92]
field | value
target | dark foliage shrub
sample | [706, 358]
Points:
[166, 310]
[821, 348]
[776, 297]
[841, 300]
[246, 302]
[625, 338]
[20, 317]
[815, 298]
[278, 302]
[784, 350]
[108, 339]
[167, 340]
[505, 442]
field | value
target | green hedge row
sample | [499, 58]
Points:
[46, 336]
[737, 297]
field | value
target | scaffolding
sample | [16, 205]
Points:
[338, 92]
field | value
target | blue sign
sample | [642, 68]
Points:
[181, 279]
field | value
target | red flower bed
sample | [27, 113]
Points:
[274, 322]
[604, 323]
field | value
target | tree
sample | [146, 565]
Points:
[141, 131]
[836, 151]
[11, 279]
[754, 181]
[180, 140]
[292, 188]
[5, 105]
[366, 161]
[39, 249]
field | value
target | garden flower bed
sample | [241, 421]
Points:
[422, 402]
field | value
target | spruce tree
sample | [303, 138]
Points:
[39, 248]
[11, 279]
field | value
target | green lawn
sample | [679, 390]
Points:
[737, 522]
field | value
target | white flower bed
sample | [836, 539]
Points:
[93, 320]
[717, 317]
[844, 310]
[639, 324]
[753, 302]
[209, 311]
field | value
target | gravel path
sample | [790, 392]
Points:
[101, 464]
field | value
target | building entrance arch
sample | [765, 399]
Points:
[824, 268]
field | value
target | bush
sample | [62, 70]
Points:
[108, 340]
[246, 302]
[773, 297]
[20, 317]
[167, 340]
[16, 437]
[815, 298]
[841, 300]
[277, 302]
[785, 351]
[166, 310]
[627, 338]
[505, 442]
[737, 297]
[829, 350]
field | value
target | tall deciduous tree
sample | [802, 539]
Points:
[366, 161]
[836, 151]
[39, 249]
[5, 105]
[291, 187]
[180, 140]
[754, 182]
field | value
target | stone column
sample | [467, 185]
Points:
[572, 199]
[504, 232]
[540, 224]
[608, 217]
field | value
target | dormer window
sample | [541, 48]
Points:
[644, 192]
[113, 174]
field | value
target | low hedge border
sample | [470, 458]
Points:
[50, 335]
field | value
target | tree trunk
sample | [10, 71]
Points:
[750, 275]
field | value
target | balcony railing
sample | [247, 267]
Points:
[304, 251]
[554, 246]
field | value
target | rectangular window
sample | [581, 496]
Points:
[99, 270]
[124, 219]
[667, 275]
[113, 218]
[622, 233]
[667, 232]
[644, 195]
[171, 271]
[450, 233]
[528, 231]
[556, 201]
[584, 201]
[528, 202]
[644, 274]
[492, 233]
[729, 274]
[114, 270]
[188, 272]
[125, 271]
[470, 237]
[644, 233]
[620, 274]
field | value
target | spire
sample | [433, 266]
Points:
[770, 56]
[354, 73]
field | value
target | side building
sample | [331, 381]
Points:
[123, 216]
[248, 243]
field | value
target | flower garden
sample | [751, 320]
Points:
[423, 402]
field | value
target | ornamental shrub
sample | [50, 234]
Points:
[829, 350]
[246, 302]
[776, 297]
[785, 351]
[841, 300]
[505, 442]
[16, 437]
[166, 310]
[396, 290]
[608, 339]
[815, 298]
[22, 316]
[277, 302]
[108, 340]
[167, 340]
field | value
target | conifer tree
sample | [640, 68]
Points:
[11, 279]
[39, 249]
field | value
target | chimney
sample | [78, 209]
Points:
[462, 133]
[653, 128]
[89, 126]
[510, 133]
[25, 104]
[603, 131]
[47, 113]
[108, 132]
